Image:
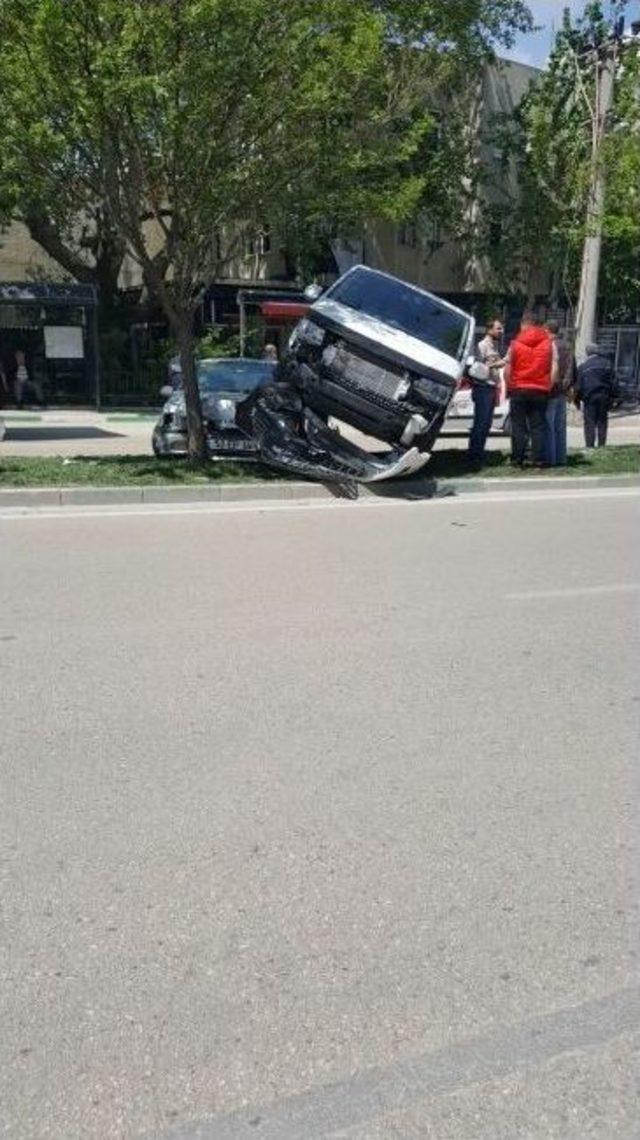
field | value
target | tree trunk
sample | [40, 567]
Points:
[196, 434]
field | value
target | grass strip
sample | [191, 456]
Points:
[145, 470]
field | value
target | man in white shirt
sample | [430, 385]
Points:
[24, 381]
[484, 391]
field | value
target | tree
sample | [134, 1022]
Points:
[551, 141]
[190, 124]
[61, 216]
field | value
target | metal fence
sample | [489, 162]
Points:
[622, 343]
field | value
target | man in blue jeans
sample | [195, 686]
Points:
[556, 414]
[483, 392]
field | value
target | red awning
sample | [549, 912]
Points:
[283, 311]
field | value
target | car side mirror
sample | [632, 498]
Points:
[313, 292]
[166, 391]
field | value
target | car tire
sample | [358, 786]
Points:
[506, 425]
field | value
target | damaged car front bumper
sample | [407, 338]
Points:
[293, 438]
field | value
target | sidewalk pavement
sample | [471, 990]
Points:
[68, 432]
[64, 432]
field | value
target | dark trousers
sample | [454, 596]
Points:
[596, 419]
[528, 418]
[484, 399]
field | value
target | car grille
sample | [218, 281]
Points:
[380, 385]
[366, 394]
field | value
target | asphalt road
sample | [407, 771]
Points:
[321, 822]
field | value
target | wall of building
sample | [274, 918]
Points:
[22, 259]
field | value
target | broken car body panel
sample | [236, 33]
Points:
[292, 438]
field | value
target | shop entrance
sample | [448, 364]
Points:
[53, 330]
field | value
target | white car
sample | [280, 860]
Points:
[461, 407]
[384, 357]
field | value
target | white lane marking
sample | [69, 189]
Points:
[577, 592]
[264, 506]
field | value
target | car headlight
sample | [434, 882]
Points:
[223, 412]
[432, 391]
[309, 332]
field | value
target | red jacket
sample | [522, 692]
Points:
[531, 356]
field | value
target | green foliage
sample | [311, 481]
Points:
[218, 340]
[173, 130]
[184, 124]
[545, 222]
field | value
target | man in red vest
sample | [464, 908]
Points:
[531, 371]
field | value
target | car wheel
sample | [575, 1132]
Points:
[506, 425]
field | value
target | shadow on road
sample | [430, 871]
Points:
[415, 489]
[40, 435]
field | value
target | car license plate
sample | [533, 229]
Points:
[222, 443]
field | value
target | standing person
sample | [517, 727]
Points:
[4, 386]
[556, 452]
[23, 380]
[484, 392]
[531, 371]
[594, 391]
[270, 352]
[4, 391]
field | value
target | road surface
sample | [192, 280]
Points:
[320, 821]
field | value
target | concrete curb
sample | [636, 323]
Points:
[277, 492]
[116, 496]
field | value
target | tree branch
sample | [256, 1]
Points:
[45, 233]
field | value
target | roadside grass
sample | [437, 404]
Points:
[146, 470]
[125, 471]
[617, 459]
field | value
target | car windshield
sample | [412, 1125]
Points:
[404, 308]
[233, 375]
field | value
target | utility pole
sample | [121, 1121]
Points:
[586, 315]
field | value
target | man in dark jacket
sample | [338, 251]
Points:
[594, 391]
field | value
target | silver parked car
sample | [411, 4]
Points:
[223, 383]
